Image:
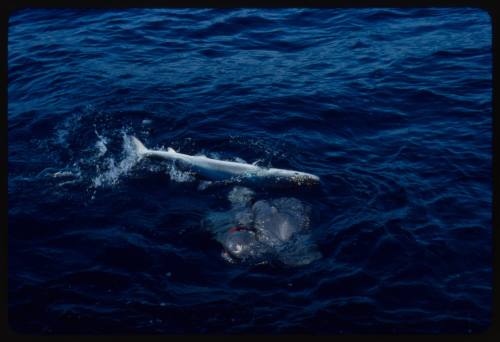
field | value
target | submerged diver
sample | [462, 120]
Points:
[264, 230]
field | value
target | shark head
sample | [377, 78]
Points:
[294, 177]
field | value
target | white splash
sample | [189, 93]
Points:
[179, 176]
[113, 170]
[240, 196]
[101, 145]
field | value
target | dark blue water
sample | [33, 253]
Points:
[390, 107]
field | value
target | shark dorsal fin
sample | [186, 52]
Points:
[170, 149]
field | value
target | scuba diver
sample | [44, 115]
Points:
[265, 230]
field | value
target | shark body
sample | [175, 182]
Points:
[219, 170]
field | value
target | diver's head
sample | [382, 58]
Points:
[240, 242]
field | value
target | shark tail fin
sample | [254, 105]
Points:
[139, 147]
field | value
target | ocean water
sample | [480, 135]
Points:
[391, 108]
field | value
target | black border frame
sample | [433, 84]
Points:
[10, 8]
